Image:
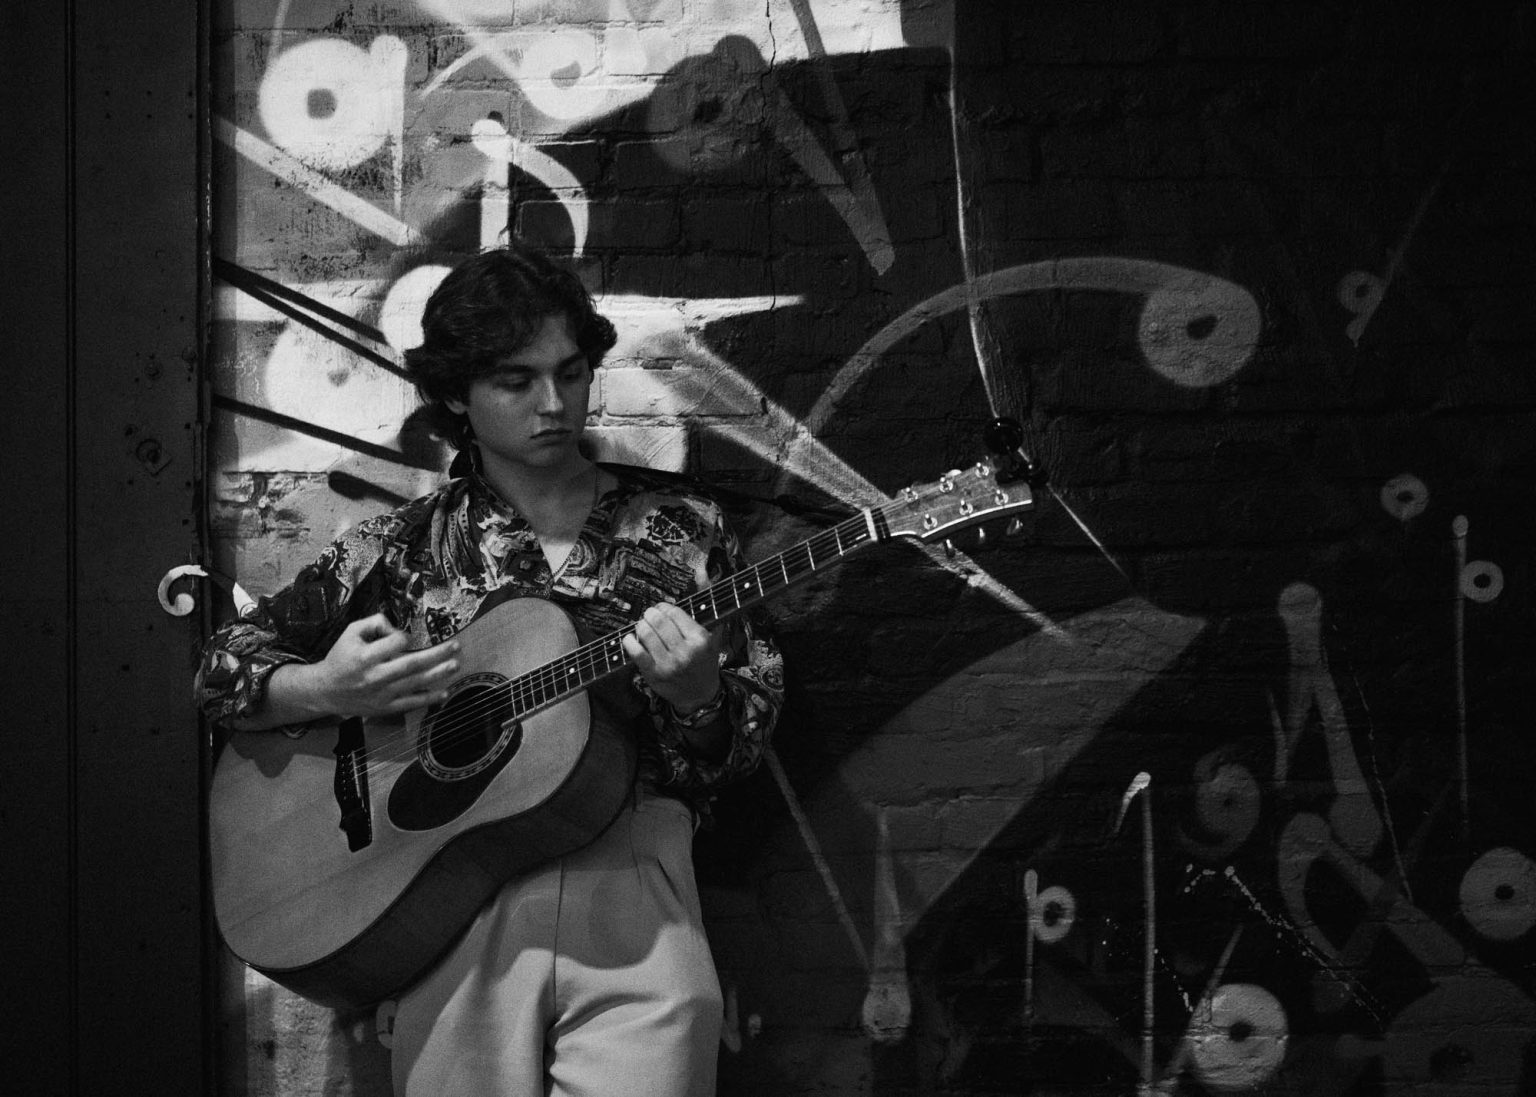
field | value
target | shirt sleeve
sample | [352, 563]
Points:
[298, 624]
[752, 675]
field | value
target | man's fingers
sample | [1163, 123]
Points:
[659, 628]
[440, 672]
[656, 651]
[411, 701]
[374, 627]
[635, 649]
[413, 674]
[668, 631]
[433, 679]
[425, 660]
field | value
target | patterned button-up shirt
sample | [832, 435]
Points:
[432, 564]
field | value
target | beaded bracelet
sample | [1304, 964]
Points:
[701, 715]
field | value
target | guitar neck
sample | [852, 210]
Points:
[740, 591]
[761, 581]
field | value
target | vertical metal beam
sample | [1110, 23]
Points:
[36, 606]
[139, 236]
[100, 788]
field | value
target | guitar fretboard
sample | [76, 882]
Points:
[739, 591]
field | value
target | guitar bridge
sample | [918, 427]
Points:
[351, 784]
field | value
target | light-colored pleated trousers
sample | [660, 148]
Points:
[590, 977]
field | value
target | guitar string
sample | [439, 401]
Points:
[547, 685]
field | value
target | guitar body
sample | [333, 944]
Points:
[461, 799]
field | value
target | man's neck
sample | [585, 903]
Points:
[544, 495]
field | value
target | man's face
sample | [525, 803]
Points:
[530, 413]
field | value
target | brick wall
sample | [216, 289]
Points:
[1256, 279]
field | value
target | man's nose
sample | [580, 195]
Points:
[551, 399]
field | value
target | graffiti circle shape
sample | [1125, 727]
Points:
[400, 315]
[1468, 1035]
[1404, 497]
[323, 101]
[1360, 291]
[1482, 581]
[709, 112]
[558, 71]
[312, 378]
[1198, 331]
[1051, 914]
[1498, 894]
[1237, 1039]
[1228, 802]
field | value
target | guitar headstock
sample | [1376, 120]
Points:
[958, 499]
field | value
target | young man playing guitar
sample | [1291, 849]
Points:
[589, 974]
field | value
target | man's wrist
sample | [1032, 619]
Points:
[699, 715]
[301, 695]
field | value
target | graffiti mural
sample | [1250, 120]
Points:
[1209, 777]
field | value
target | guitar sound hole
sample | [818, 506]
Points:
[469, 727]
[462, 746]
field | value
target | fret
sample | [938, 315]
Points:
[784, 567]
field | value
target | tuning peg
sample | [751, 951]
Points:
[949, 548]
[1015, 528]
[981, 536]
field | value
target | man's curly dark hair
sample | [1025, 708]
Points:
[490, 306]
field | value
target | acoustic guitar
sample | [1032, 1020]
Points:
[346, 860]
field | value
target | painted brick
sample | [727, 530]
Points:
[667, 393]
[661, 447]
